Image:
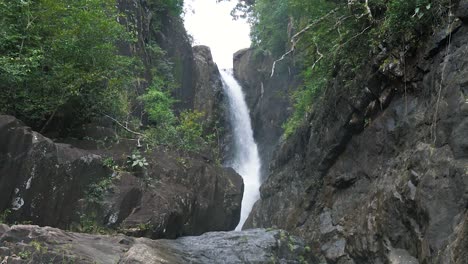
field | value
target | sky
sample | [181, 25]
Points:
[211, 24]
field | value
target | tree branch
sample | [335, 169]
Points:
[295, 39]
[320, 56]
[124, 127]
[355, 36]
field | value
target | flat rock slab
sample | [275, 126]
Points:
[34, 244]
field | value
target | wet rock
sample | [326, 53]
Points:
[267, 97]
[49, 245]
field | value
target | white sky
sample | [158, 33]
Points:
[211, 24]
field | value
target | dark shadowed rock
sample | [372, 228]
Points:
[211, 100]
[59, 185]
[267, 97]
[32, 244]
[41, 181]
[176, 195]
[462, 11]
[377, 174]
[156, 26]
[209, 87]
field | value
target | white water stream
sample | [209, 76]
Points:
[246, 161]
[210, 23]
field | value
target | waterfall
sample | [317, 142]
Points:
[246, 160]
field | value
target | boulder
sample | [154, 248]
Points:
[57, 184]
[41, 181]
[176, 195]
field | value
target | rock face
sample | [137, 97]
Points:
[379, 173]
[33, 244]
[156, 26]
[211, 100]
[175, 195]
[41, 181]
[267, 98]
[209, 87]
[55, 184]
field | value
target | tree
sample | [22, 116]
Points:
[58, 52]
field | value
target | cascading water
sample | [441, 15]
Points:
[210, 23]
[246, 160]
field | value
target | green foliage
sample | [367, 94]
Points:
[186, 132]
[404, 21]
[61, 52]
[38, 247]
[338, 36]
[302, 260]
[25, 254]
[158, 104]
[96, 191]
[109, 162]
[174, 7]
[4, 216]
[270, 22]
[145, 227]
[88, 224]
[190, 130]
[136, 160]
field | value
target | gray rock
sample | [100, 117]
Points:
[156, 26]
[397, 181]
[209, 87]
[401, 256]
[41, 181]
[462, 11]
[459, 139]
[49, 245]
[334, 249]
[4, 251]
[48, 183]
[3, 229]
[267, 97]
[211, 100]
[174, 199]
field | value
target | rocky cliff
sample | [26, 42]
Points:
[158, 28]
[379, 172]
[267, 98]
[85, 182]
